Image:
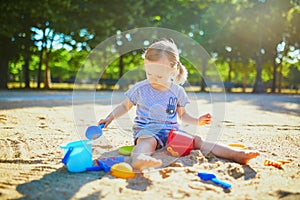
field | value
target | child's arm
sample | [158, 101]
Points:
[120, 110]
[186, 117]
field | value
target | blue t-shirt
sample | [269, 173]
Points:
[156, 109]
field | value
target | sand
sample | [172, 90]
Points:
[34, 124]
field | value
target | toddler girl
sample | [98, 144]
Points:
[159, 101]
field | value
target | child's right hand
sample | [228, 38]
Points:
[106, 121]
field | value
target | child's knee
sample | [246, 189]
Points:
[198, 142]
[147, 139]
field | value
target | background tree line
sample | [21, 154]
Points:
[252, 42]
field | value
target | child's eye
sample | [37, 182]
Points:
[149, 74]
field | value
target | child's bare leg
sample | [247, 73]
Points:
[223, 151]
[141, 154]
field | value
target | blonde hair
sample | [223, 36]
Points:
[167, 47]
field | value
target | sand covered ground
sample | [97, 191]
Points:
[34, 124]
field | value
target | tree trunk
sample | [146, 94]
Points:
[47, 80]
[26, 71]
[3, 73]
[285, 52]
[203, 77]
[273, 90]
[229, 76]
[258, 86]
[244, 79]
[280, 78]
[121, 66]
[4, 58]
[229, 72]
[39, 76]
[41, 59]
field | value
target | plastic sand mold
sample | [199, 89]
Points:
[105, 164]
[125, 150]
[122, 170]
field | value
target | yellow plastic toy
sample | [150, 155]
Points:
[172, 152]
[122, 170]
[238, 145]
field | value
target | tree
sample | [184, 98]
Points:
[251, 29]
[8, 29]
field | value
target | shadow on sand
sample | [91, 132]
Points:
[59, 184]
[22, 99]
[62, 184]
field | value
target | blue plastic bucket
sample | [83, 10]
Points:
[77, 155]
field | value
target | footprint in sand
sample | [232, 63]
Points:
[18, 148]
[3, 118]
[42, 122]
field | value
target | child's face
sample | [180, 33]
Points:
[159, 72]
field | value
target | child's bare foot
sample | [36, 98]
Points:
[143, 161]
[243, 157]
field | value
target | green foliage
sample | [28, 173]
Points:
[235, 32]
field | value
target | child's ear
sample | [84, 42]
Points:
[176, 72]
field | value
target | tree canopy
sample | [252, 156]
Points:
[252, 42]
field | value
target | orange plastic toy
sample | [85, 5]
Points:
[284, 161]
[273, 163]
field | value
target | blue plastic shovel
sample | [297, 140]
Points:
[211, 177]
[94, 132]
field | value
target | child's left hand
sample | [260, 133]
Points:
[205, 119]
